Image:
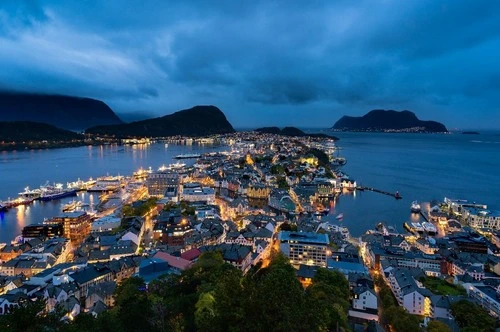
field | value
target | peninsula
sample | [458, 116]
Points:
[196, 121]
[292, 132]
[388, 121]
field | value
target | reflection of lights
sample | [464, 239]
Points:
[20, 214]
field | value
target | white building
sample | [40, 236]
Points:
[364, 298]
[193, 192]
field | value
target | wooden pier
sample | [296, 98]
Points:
[395, 195]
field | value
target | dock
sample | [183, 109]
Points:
[395, 195]
[423, 216]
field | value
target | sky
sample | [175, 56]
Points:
[299, 63]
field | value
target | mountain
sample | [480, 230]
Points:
[196, 121]
[24, 131]
[291, 131]
[382, 120]
[73, 113]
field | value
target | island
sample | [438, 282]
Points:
[67, 112]
[196, 121]
[292, 132]
[388, 121]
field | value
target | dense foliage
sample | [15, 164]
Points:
[139, 210]
[215, 296]
[471, 317]
[24, 131]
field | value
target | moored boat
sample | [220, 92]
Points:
[188, 156]
[415, 207]
[56, 191]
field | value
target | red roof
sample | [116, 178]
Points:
[191, 254]
[176, 262]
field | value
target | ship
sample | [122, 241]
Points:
[56, 191]
[188, 156]
[16, 202]
[429, 228]
[30, 194]
[415, 207]
[80, 185]
[72, 206]
[340, 217]
[107, 183]
[142, 173]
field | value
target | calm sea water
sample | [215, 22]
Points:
[421, 167]
[36, 167]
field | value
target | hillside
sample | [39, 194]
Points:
[23, 131]
[196, 121]
[73, 113]
[382, 120]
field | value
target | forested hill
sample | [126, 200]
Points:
[196, 121]
[72, 113]
[382, 120]
[24, 131]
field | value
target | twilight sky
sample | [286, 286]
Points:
[262, 62]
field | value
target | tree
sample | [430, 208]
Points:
[471, 316]
[437, 326]
[133, 307]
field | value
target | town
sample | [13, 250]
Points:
[267, 195]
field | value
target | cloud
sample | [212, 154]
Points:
[266, 58]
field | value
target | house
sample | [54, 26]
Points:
[71, 307]
[178, 264]
[91, 275]
[100, 292]
[364, 298]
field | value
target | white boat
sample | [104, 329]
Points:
[429, 228]
[188, 156]
[340, 216]
[415, 207]
[30, 194]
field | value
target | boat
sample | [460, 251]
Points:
[429, 228]
[30, 194]
[338, 161]
[415, 207]
[72, 206]
[107, 183]
[142, 173]
[188, 156]
[340, 216]
[166, 145]
[81, 185]
[16, 202]
[397, 195]
[56, 191]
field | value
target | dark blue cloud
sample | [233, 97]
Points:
[262, 62]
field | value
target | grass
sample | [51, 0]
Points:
[442, 287]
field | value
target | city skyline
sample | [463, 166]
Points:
[262, 64]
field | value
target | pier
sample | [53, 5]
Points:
[395, 195]
[423, 216]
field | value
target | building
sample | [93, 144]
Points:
[40, 230]
[409, 293]
[76, 225]
[194, 192]
[486, 297]
[305, 248]
[163, 184]
[364, 298]
[106, 223]
[479, 218]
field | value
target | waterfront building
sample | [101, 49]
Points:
[76, 225]
[305, 248]
[479, 218]
[164, 184]
[42, 231]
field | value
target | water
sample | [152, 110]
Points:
[34, 168]
[421, 167]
